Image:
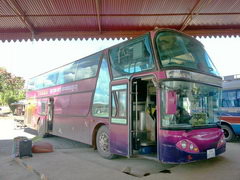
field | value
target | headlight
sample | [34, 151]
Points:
[187, 146]
[184, 144]
[191, 147]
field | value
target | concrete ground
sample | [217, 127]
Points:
[9, 168]
[72, 160]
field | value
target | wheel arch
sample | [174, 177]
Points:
[229, 125]
[94, 134]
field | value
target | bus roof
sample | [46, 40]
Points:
[231, 82]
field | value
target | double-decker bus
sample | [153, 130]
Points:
[155, 96]
[230, 110]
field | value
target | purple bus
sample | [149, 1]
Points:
[155, 96]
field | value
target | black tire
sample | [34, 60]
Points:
[228, 133]
[103, 145]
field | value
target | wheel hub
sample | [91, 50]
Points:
[103, 142]
[226, 133]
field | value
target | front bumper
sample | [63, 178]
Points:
[170, 154]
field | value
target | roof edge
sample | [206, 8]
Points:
[108, 34]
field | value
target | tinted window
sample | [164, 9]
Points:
[67, 73]
[81, 69]
[119, 108]
[122, 102]
[114, 108]
[195, 104]
[50, 79]
[231, 98]
[87, 67]
[131, 57]
[43, 108]
[101, 97]
[178, 50]
[31, 84]
[39, 82]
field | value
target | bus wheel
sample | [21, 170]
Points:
[41, 130]
[103, 143]
[228, 133]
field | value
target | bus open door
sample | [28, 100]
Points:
[119, 130]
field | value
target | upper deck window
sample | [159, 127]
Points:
[78, 70]
[88, 66]
[177, 50]
[67, 73]
[131, 57]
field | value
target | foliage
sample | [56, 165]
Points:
[11, 88]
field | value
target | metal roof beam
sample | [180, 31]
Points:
[98, 15]
[194, 12]
[14, 6]
[122, 15]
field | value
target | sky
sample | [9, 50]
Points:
[30, 58]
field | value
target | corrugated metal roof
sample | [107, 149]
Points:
[44, 19]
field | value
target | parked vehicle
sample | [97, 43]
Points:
[155, 96]
[230, 110]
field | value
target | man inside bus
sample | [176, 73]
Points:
[182, 116]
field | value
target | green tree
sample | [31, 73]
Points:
[11, 88]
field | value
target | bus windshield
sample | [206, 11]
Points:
[196, 105]
[132, 57]
[178, 50]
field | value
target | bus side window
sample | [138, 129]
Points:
[69, 73]
[100, 105]
[43, 108]
[31, 84]
[122, 98]
[66, 74]
[87, 67]
[51, 79]
[39, 82]
[60, 79]
[119, 103]
[114, 108]
[69, 76]
[238, 98]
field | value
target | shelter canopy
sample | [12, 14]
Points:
[45, 19]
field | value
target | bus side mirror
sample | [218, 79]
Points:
[171, 102]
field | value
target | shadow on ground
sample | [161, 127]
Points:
[30, 131]
[135, 166]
